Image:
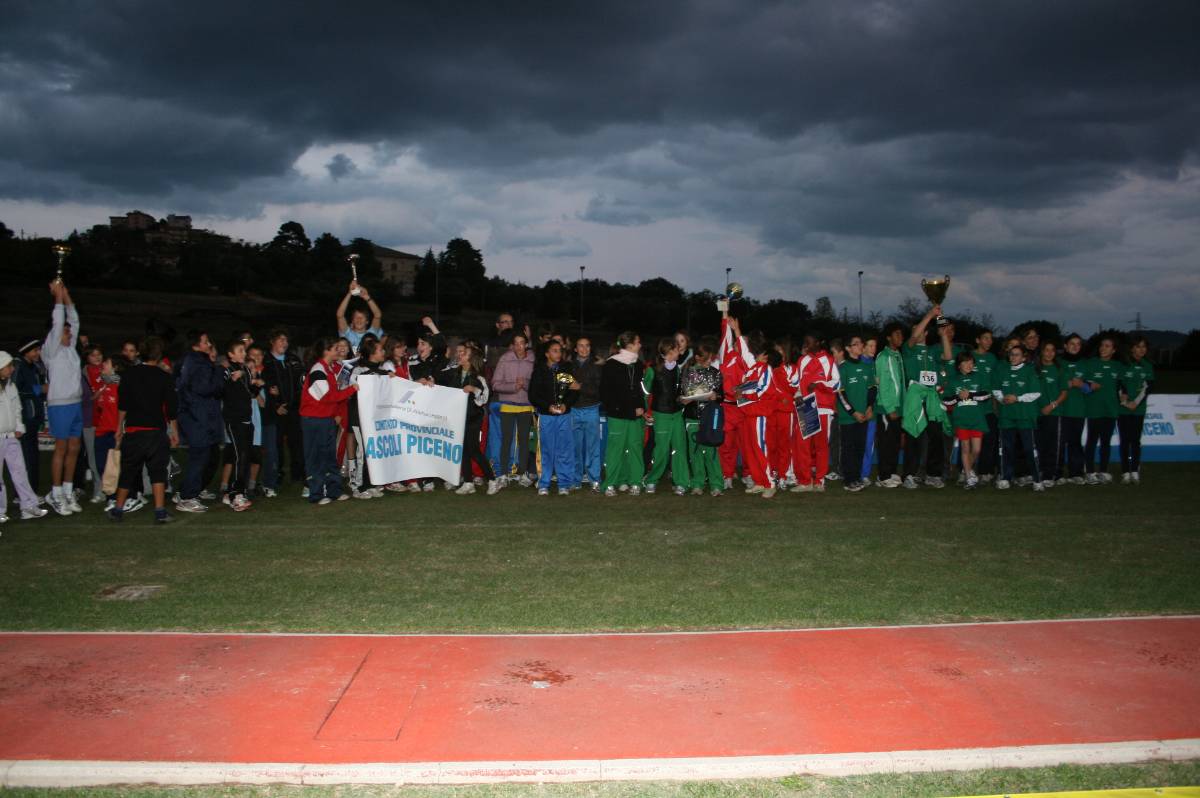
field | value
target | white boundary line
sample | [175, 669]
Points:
[65, 773]
[683, 633]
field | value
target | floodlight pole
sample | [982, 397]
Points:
[860, 304]
[581, 268]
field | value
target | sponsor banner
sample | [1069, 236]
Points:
[1172, 429]
[410, 430]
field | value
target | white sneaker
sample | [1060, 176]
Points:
[449, 486]
[1126, 478]
[986, 479]
[543, 491]
[345, 497]
[802, 489]
[133, 504]
[98, 498]
[241, 503]
[1077, 481]
[634, 490]
[935, 482]
[56, 505]
[1002, 484]
[1092, 479]
[525, 481]
[324, 500]
[564, 491]
[747, 481]
[3, 517]
[971, 483]
[1024, 482]
[396, 487]
[728, 483]
[833, 476]
[428, 487]
[30, 513]
[1038, 487]
[682, 491]
[755, 489]
[1048, 483]
[715, 492]
[414, 487]
[768, 493]
[304, 493]
[493, 487]
[1060, 481]
[853, 487]
[466, 489]
[269, 493]
[207, 496]
[910, 482]
[697, 491]
[819, 487]
[377, 493]
[610, 492]
[1137, 477]
[363, 494]
[190, 506]
[651, 488]
[1105, 477]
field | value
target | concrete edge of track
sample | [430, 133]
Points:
[67, 773]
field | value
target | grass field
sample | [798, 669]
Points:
[889, 785]
[517, 562]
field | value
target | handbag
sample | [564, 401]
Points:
[112, 472]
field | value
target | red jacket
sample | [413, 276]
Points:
[734, 359]
[104, 409]
[321, 398]
[819, 375]
[763, 397]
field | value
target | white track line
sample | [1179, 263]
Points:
[684, 633]
[63, 773]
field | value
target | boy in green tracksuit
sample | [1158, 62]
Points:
[967, 395]
[1074, 408]
[889, 407]
[924, 416]
[985, 366]
[1135, 384]
[1017, 390]
[661, 383]
[1103, 403]
[856, 397]
[704, 461]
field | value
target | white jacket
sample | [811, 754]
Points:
[10, 410]
[62, 362]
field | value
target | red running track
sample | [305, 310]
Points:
[339, 699]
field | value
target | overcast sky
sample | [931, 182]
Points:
[1045, 154]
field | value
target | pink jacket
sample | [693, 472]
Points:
[504, 380]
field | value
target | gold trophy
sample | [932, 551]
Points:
[935, 289]
[352, 259]
[732, 291]
[62, 251]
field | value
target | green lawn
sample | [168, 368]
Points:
[884, 785]
[437, 562]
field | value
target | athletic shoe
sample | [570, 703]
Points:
[466, 489]
[163, 518]
[30, 513]
[324, 500]
[893, 481]
[240, 503]
[269, 493]
[935, 482]
[345, 497]
[564, 491]
[819, 487]
[971, 484]
[833, 476]
[680, 491]
[543, 491]
[728, 483]
[610, 492]
[1105, 477]
[56, 505]
[1060, 481]
[97, 498]
[449, 486]
[1137, 477]
[1024, 482]
[853, 487]
[697, 491]
[1048, 483]
[748, 481]
[715, 492]
[190, 506]
[133, 504]
[377, 492]
[634, 490]
[910, 482]
[396, 487]
[207, 496]
[73, 504]
[986, 479]
[493, 487]
[1002, 484]
[652, 488]
[801, 489]
[595, 487]
[366, 494]
[1092, 479]
[1126, 478]
[428, 487]
[1077, 481]
[304, 493]
[525, 481]
[623, 488]
[414, 487]
[1038, 487]
[755, 489]
[3, 518]
[769, 493]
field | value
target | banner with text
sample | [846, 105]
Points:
[411, 431]
[1172, 428]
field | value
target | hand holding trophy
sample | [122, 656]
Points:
[61, 251]
[935, 289]
[732, 291]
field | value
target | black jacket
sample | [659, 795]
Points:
[545, 390]
[237, 396]
[621, 390]
[664, 391]
[588, 374]
[476, 402]
[419, 369]
[287, 376]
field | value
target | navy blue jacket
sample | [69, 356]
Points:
[200, 383]
[30, 380]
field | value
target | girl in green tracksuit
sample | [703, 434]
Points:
[1103, 403]
[1017, 390]
[1074, 408]
[1052, 376]
[704, 461]
[624, 402]
[968, 397]
[1135, 384]
[661, 383]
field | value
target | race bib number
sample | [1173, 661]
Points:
[929, 378]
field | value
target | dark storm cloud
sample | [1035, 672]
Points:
[827, 127]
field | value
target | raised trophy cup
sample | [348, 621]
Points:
[732, 291]
[935, 289]
[352, 259]
[61, 251]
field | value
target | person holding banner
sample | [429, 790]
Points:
[371, 354]
[552, 390]
[624, 398]
[1135, 384]
[889, 376]
[468, 375]
[818, 376]
[320, 403]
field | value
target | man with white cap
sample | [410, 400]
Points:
[12, 429]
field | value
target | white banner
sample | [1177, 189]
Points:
[411, 431]
[1172, 419]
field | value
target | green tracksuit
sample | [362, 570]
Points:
[1104, 402]
[705, 460]
[1053, 379]
[1021, 382]
[670, 445]
[970, 413]
[1075, 406]
[986, 365]
[623, 461]
[1134, 381]
[858, 379]
[889, 374]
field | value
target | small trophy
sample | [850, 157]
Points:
[732, 291]
[62, 251]
[352, 259]
[935, 289]
[563, 380]
[697, 382]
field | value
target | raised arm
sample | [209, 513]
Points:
[918, 331]
[342, 324]
[376, 313]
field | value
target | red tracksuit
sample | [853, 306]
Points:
[758, 403]
[781, 425]
[819, 375]
[734, 360]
